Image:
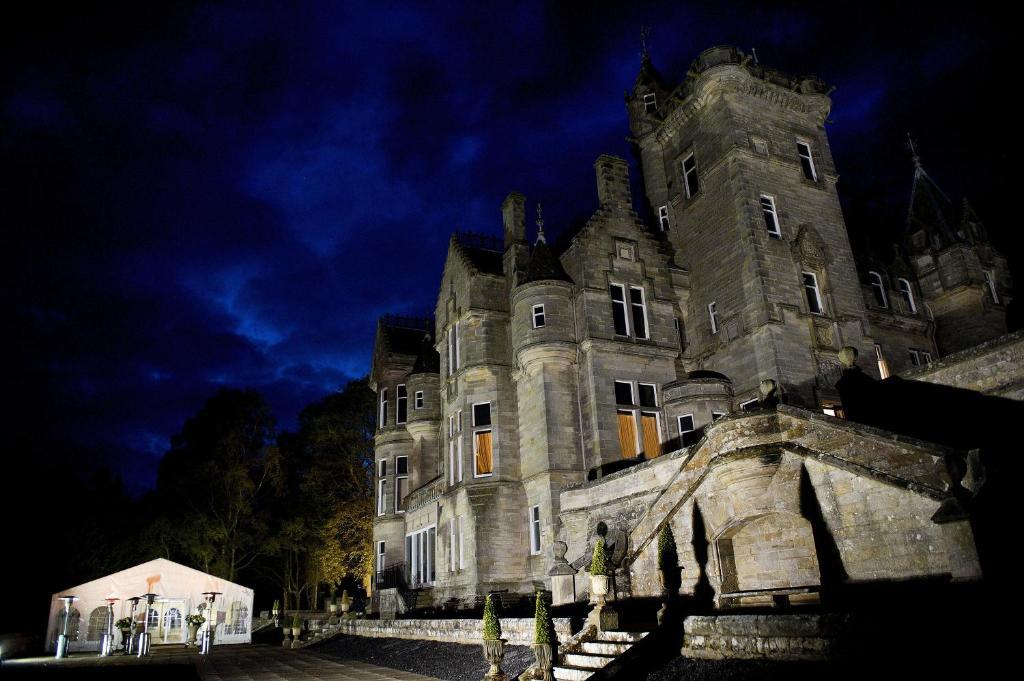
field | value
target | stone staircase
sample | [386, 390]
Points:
[595, 654]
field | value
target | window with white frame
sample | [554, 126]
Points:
[663, 218]
[534, 530]
[637, 414]
[749, 405]
[990, 282]
[771, 216]
[807, 161]
[619, 310]
[907, 293]
[483, 440]
[878, 289]
[402, 404]
[418, 400]
[687, 432]
[419, 556]
[462, 544]
[713, 317]
[915, 357]
[638, 304]
[812, 293]
[380, 557]
[650, 102]
[452, 546]
[453, 348]
[538, 316]
[883, 365]
[382, 417]
[454, 448]
[926, 357]
[715, 415]
[382, 472]
[401, 481]
[691, 182]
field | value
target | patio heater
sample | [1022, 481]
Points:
[211, 623]
[107, 642]
[130, 644]
[62, 640]
[144, 636]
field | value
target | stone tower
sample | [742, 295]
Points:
[739, 174]
[964, 281]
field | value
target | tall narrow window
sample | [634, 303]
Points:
[690, 181]
[380, 557]
[907, 294]
[418, 397]
[883, 365]
[636, 300]
[538, 316]
[713, 317]
[650, 102]
[915, 357]
[650, 428]
[402, 407]
[381, 503]
[462, 544]
[663, 218]
[483, 444]
[382, 419]
[534, 530]
[878, 288]
[453, 348]
[401, 481]
[686, 430]
[990, 282]
[807, 161]
[926, 357]
[771, 217]
[812, 292]
[452, 546]
[619, 316]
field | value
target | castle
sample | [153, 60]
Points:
[688, 372]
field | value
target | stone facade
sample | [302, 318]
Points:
[665, 349]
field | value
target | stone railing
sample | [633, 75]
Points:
[424, 494]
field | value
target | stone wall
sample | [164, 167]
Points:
[517, 631]
[993, 368]
[779, 637]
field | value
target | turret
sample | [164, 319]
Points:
[424, 414]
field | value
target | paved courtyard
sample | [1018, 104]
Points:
[235, 663]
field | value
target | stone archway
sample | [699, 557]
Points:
[765, 553]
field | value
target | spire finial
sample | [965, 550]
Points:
[540, 225]
[913, 151]
[645, 31]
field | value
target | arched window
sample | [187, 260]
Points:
[878, 288]
[908, 295]
[154, 618]
[97, 624]
[172, 619]
[73, 624]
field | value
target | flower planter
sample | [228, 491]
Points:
[542, 651]
[345, 605]
[599, 586]
[193, 631]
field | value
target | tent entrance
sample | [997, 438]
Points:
[170, 626]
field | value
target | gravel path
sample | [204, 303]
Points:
[451, 661]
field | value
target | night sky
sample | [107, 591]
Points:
[231, 194]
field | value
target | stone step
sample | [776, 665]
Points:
[605, 647]
[588, 661]
[573, 673]
[620, 636]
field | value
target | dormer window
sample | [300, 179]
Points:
[663, 218]
[812, 293]
[691, 183]
[650, 102]
[538, 316]
[771, 216]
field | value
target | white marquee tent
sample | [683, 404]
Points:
[179, 591]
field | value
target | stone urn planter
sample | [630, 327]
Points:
[296, 632]
[332, 608]
[346, 604]
[126, 635]
[193, 632]
[494, 653]
[542, 651]
[599, 587]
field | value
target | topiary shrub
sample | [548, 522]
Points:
[543, 627]
[492, 626]
[598, 562]
[296, 621]
[668, 556]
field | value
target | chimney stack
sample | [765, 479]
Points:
[613, 182]
[513, 214]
